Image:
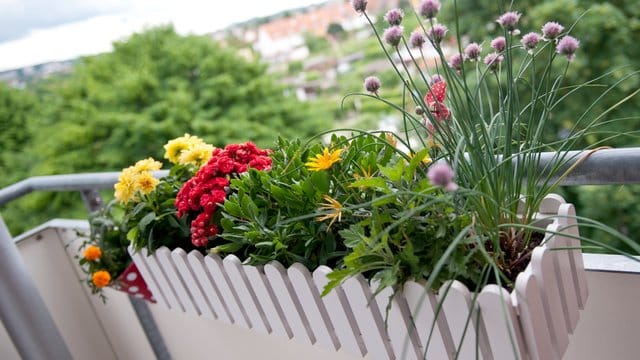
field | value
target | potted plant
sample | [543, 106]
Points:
[441, 242]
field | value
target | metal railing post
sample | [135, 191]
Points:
[22, 310]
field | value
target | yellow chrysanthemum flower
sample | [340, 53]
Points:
[145, 183]
[124, 189]
[335, 210]
[174, 148]
[148, 164]
[325, 160]
[101, 278]
[197, 155]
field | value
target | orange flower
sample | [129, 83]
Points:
[92, 253]
[101, 278]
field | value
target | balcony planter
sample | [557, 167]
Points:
[534, 320]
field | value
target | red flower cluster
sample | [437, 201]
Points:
[208, 188]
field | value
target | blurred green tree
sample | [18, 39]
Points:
[125, 105]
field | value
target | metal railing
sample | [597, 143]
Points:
[31, 327]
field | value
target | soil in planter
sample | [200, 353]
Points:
[516, 252]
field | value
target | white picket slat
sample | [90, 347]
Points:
[302, 283]
[341, 315]
[179, 257]
[501, 323]
[246, 296]
[368, 317]
[462, 318]
[563, 270]
[543, 270]
[423, 305]
[175, 280]
[295, 314]
[567, 213]
[532, 318]
[196, 259]
[268, 301]
[550, 204]
[400, 329]
[163, 282]
[220, 278]
[148, 277]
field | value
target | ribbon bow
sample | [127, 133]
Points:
[435, 100]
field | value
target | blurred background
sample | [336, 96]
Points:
[94, 86]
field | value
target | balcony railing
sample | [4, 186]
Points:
[34, 333]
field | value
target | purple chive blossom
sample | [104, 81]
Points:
[372, 84]
[455, 61]
[436, 33]
[394, 16]
[417, 40]
[429, 8]
[393, 35]
[499, 44]
[530, 41]
[551, 30]
[436, 79]
[567, 46]
[509, 20]
[472, 51]
[441, 174]
[493, 60]
[359, 5]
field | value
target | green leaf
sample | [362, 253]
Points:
[249, 208]
[335, 278]
[232, 208]
[146, 220]
[320, 179]
[416, 161]
[393, 173]
[352, 236]
[373, 182]
[132, 235]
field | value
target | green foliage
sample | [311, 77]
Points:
[105, 233]
[616, 206]
[118, 107]
[336, 31]
[371, 212]
[151, 222]
[606, 31]
[316, 43]
[15, 113]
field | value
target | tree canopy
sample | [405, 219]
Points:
[125, 105]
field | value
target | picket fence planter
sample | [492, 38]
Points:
[532, 322]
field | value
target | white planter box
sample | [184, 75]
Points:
[534, 320]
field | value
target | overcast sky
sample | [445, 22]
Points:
[37, 31]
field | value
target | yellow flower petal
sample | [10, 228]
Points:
[325, 160]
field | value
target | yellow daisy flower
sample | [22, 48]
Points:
[335, 210]
[325, 160]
